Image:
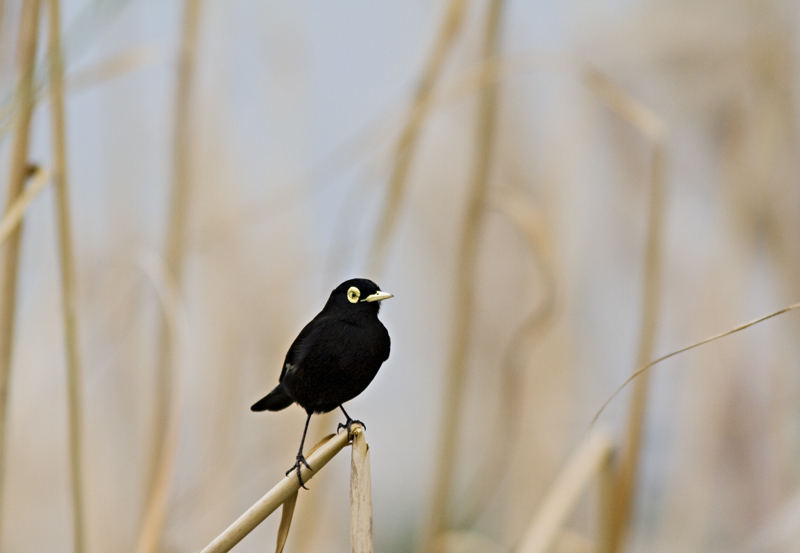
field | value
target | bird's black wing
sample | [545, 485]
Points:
[298, 348]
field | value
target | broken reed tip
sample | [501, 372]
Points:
[355, 430]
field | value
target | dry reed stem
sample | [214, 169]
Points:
[495, 70]
[651, 126]
[328, 447]
[174, 316]
[29, 26]
[572, 542]
[176, 227]
[61, 184]
[629, 462]
[406, 145]
[628, 107]
[778, 531]
[644, 369]
[466, 541]
[16, 211]
[360, 495]
[112, 67]
[349, 151]
[606, 497]
[105, 70]
[589, 461]
[455, 378]
[286, 521]
[288, 507]
[526, 219]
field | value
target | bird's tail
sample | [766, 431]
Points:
[276, 400]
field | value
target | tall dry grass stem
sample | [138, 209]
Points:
[530, 223]
[651, 126]
[287, 513]
[108, 69]
[175, 247]
[589, 462]
[16, 211]
[360, 495]
[28, 35]
[647, 367]
[65, 247]
[628, 469]
[177, 325]
[286, 521]
[93, 75]
[326, 450]
[406, 145]
[455, 378]
[642, 118]
[629, 462]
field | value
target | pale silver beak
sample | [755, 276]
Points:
[378, 296]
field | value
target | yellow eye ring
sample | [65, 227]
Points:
[353, 294]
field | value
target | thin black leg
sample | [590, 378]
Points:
[300, 459]
[349, 421]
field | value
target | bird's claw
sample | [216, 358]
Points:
[348, 424]
[300, 460]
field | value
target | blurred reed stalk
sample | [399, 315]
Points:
[323, 452]
[176, 233]
[407, 144]
[360, 495]
[174, 316]
[28, 35]
[129, 61]
[628, 469]
[16, 211]
[653, 129]
[60, 182]
[455, 379]
[529, 222]
[286, 521]
[704, 341]
[592, 460]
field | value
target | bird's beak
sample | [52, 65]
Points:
[378, 296]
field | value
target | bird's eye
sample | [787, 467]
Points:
[353, 294]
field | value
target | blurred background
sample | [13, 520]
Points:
[555, 193]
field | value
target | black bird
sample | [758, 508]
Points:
[334, 358]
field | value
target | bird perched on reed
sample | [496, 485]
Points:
[334, 358]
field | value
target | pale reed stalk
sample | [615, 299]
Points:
[588, 463]
[628, 469]
[360, 495]
[16, 211]
[651, 126]
[455, 379]
[282, 491]
[72, 346]
[406, 145]
[174, 259]
[28, 35]
[177, 325]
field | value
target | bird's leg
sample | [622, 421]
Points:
[349, 422]
[300, 458]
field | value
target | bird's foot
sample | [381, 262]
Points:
[350, 422]
[300, 460]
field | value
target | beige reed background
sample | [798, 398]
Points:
[557, 193]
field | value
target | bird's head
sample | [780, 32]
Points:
[358, 293]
